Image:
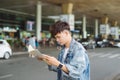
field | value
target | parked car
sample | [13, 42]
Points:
[102, 43]
[91, 44]
[116, 43]
[5, 49]
[111, 42]
[85, 43]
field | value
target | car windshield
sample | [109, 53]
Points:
[84, 40]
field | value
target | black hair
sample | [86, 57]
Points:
[60, 26]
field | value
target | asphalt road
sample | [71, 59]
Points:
[105, 64]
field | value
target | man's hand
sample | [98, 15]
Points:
[41, 58]
[53, 61]
[49, 60]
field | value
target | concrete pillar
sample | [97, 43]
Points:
[114, 23]
[105, 20]
[38, 20]
[114, 30]
[67, 8]
[67, 15]
[84, 27]
[96, 28]
[105, 23]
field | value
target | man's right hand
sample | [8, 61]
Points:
[41, 58]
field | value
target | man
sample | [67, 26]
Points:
[72, 62]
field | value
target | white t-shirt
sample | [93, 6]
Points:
[66, 51]
[64, 56]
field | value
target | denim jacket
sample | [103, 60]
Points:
[76, 61]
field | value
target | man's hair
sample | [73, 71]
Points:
[60, 26]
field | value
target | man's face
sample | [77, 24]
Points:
[61, 37]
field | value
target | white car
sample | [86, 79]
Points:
[116, 43]
[5, 49]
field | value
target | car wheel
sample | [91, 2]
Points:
[6, 55]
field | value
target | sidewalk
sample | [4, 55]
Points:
[117, 77]
[44, 50]
[53, 50]
[114, 76]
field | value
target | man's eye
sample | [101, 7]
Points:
[57, 37]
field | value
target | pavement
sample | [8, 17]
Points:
[44, 50]
[115, 76]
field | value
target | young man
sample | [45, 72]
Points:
[72, 62]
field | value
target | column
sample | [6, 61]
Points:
[105, 20]
[104, 28]
[67, 15]
[114, 23]
[38, 21]
[67, 8]
[96, 28]
[84, 27]
[114, 30]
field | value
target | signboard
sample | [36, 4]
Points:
[114, 30]
[30, 25]
[104, 29]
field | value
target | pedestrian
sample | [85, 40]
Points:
[26, 42]
[32, 41]
[51, 42]
[73, 61]
[44, 42]
[36, 43]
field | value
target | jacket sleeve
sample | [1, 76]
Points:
[77, 64]
[52, 68]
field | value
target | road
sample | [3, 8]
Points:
[105, 64]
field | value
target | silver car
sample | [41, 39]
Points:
[5, 49]
[116, 43]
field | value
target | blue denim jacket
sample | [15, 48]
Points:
[76, 61]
